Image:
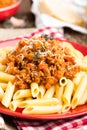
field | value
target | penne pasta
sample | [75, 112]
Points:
[65, 108]
[39, 102]
[68, 93]
[1, 93]
[85, 59]
[34, 89]
[7, 97]
[7, 49]
[82, 65]
[42, 109]
[78, 78]
[63, 81]
[84, 98]
[2, 53]
[3, 86]
[2, 67]
[79, 92]
[42, 91]
[6, 77]
[14, 104]
[59, 92]
[50, 92]
[74, 52]
[20, 94]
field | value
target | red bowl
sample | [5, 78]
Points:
[7, 12]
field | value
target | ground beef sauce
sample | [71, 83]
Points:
[6, 3]
[42, 59]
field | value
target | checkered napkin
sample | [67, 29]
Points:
[57, 32]
[2, 123]
[78, 123]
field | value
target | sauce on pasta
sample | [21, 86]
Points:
[41, 60]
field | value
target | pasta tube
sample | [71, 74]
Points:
[1, 93]
[59, 92]
[14, 104]
[63, 81]
[3, 86]
[6, 77]
[82, 65]
[34, 89]
[84, 98]
[78, 78]
[74, 52]
[39, 102]
[50, 92]
[42, 109]
[2, 67]
[41, 93]
[19, 94]
[67, 95]
[80, 91]
[8, 94]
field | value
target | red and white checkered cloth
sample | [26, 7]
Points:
[58, 33]
[78, 123]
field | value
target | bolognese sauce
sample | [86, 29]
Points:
[6, 3]
[43, 60]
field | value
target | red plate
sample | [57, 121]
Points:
[78, 111]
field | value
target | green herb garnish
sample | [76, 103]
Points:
[52, 37]
[37, 56]
[45, 36]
